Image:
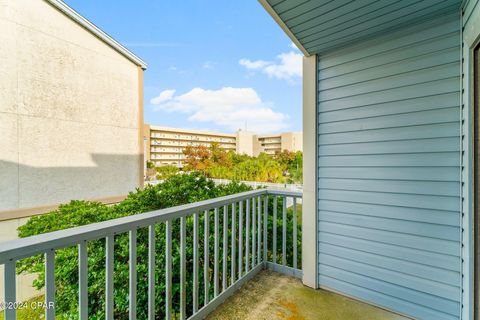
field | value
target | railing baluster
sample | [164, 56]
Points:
[254, 230]
[183, 268]
[284, 232]
[151, 272]
[294, 232]
[275, 203]
[254, 235]
[240, 240]
[206, 278]
[109, 247]
[265, 228]
[259, 230]
[215, 255]
[132, 300]
[195, 262]
[225, 246]
[168, 269]
[233, 244]
[10, 290]
[247, 237]
[50, 285]
[83, 280]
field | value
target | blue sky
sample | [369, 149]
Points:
[216, 65]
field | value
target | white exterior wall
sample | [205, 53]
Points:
[69, 111]
[309, 211]
[69, 115]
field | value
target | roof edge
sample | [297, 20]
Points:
[192, 131]
[75, 16]
[284, 27]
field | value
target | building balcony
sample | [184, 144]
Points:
[223, 258]
[274, 295]
[195, 139]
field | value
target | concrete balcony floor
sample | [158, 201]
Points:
[272, 295]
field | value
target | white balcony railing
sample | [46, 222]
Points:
[252, 239]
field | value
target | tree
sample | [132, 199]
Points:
[165, 172]
[197, 158]
[295, 168]
[284, 157]
[215, 162]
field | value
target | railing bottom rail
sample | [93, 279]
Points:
[218, 300]
[297, 273]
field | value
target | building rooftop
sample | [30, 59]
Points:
[89, 26]
[190, 131]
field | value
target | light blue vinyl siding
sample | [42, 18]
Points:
[324, 25]
[389, 166]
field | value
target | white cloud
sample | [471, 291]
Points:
[293, 46]
[163, 96]
[227, 107]
[288, 67]
[259, 64]
[208, 65]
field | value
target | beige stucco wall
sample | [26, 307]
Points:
[69, 116]
[69, 111]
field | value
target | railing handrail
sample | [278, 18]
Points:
[39, 244]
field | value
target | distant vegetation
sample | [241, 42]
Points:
[165, 172]
[214, 162]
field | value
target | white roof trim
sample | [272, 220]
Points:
[282, 24]
[75, 16]
[191, 131]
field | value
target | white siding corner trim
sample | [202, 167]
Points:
[309, 224]
[470, 38]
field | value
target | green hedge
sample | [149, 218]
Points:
[177, 190]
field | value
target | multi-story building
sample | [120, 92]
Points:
[274, 143]
[164, 146]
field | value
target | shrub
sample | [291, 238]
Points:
[166, 171]
[150, 165]
[177, 190]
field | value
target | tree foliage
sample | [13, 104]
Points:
[150, 165]
[292, 164]
[165, 172]
[215, 162]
